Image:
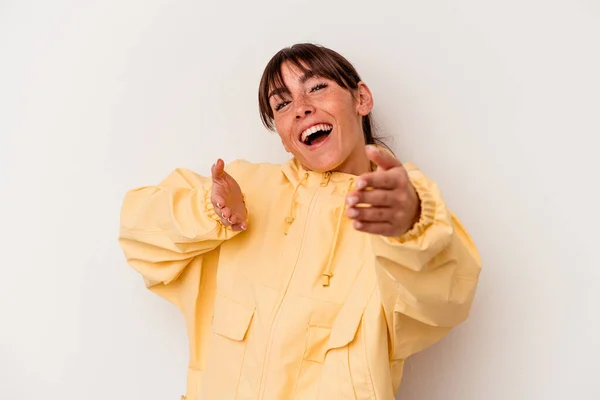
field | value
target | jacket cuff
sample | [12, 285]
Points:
[427, 217]
[209, 209]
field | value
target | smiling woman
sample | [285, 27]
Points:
[315, 279]
[315, 78]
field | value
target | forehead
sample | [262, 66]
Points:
[293, 71]
[290, 73]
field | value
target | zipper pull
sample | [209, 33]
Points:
[326, 177]
[288, 222]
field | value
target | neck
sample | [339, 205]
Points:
[357, 163]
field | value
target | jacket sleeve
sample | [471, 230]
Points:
[163, 228]
[428, 276]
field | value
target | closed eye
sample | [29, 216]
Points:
[318, 86]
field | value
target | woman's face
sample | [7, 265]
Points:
[320, 122]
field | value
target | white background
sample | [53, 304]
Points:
[498, 101]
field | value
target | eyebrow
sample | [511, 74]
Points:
[281, 90]
[278, 91]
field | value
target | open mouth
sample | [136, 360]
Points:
[316, 134]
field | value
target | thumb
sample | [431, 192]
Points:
[218, 170]
[383, 159]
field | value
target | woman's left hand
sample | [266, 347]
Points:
[386, 203]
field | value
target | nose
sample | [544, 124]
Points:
[303, 108]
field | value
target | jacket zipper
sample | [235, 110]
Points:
[264, 369]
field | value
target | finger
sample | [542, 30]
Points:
[376, 198]
[224, 213]
[240, 227]
[218, 201]
[382, 158]
[237, 223]
[391, 179]
[371, 214]
[236, 218]
[218, 169]
[378, 228]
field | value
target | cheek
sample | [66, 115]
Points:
[283, 130]
[284, 141]
[283, 135]
[343, 106]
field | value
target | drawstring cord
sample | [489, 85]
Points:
[289, 220]
[327, 273]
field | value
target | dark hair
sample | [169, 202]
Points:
[319, 61]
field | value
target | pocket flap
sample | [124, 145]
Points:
[321, 339]
[231, 319]
[317, 343]
[344, 329]
[348, 319]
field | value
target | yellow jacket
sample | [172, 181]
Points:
[300, 305]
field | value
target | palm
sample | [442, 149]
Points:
[226, 191]
[227, 198]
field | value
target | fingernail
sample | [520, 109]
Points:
[243, 226]
[361, 184]
[352, 200]
[219, 205]
[229, 220]
[357, 225]
[372, 147]
[352, 213]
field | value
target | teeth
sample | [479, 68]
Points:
[313, 129]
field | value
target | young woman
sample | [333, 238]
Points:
[315, 279]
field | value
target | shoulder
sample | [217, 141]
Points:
[246, 171]
[241, 170]
[417, 175]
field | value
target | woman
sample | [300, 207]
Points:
[311, 280]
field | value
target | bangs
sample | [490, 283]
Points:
[310, 59]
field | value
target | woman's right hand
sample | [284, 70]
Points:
[227, 198]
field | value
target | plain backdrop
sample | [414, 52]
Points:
[498, 101]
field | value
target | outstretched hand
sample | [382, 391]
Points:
[385, 202]
[227, 198]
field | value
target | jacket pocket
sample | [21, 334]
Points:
[412, 336]
[325, 372]
[232, 319]
[317, 338]
[322, 338]
[231, 327]
[406, 335]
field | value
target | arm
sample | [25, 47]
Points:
[433, 269]
[427, 271]
[163, 228]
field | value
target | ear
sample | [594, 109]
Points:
[365, 99]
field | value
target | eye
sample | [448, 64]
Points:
[318, 86]
[279, 106]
